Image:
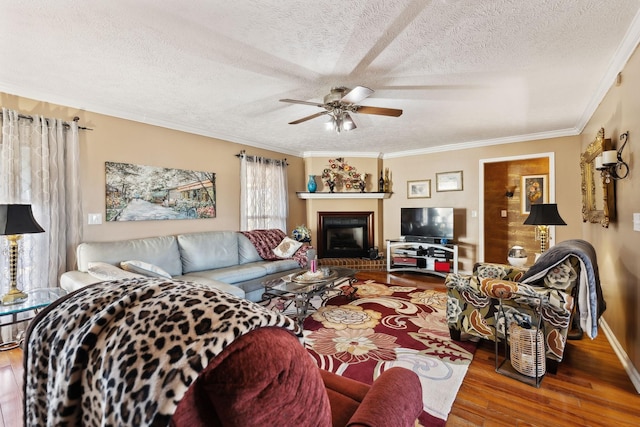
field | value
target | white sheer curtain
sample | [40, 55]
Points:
[263, 193]
[39, 165]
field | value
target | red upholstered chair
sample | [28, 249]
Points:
[267, 378]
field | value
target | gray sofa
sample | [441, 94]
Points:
[226, 260]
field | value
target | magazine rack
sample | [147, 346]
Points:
[522, 356]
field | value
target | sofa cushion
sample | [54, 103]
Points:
[246, 250]
[233, 274]
[216, 284]
[280, 265]
[161, 251]
[144, 268]
[206, 251]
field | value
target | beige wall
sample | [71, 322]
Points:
[118, 140]
[618, 246]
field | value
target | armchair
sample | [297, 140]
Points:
[563, 275]
[267, 378]
[156, 351]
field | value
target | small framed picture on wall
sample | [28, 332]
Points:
[534, 191]
[419, 189]
[449, 181]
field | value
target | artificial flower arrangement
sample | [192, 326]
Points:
[301, 233]
[339, 172]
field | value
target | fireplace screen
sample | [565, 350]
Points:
[344, 234]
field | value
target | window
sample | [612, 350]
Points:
[263, 198]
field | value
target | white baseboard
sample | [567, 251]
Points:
[634, 376]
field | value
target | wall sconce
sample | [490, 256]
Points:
[610, 163]
[510, 190]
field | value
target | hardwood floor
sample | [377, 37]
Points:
[591, 387]
[11, 380]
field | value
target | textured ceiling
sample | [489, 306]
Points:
[466, 73]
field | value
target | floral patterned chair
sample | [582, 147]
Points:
[473, 300]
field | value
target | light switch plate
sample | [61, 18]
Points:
[95, 219]
[636, 222]
[503, 213]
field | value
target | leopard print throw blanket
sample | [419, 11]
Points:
[124, 352]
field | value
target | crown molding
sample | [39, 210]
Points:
[364, 154]
[485, 143]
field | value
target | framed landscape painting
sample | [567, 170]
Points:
[419, 189]
[534, 191]
[449, 181]
[141, 193]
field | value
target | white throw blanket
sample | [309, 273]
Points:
[125, 352]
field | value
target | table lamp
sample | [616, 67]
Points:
[16, 220]
[542, 216]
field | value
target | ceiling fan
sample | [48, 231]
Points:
[339, 103]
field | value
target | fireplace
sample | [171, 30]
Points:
[344, 234]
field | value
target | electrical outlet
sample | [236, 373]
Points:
[503, 213]
[95, 219]
[636, 222]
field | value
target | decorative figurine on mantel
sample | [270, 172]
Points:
[387, 181]
[332, 185]
[339, 172]
[363, 182]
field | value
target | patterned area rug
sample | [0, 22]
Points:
[386, 326]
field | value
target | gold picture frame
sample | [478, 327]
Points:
[449, 181]
[598, 196]
[419, 189]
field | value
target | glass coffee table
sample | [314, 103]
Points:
[301, 287]
[25, 311]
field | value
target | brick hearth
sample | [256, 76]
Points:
[355, 263]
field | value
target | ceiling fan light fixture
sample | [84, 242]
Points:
[330, 124]
[347, 122]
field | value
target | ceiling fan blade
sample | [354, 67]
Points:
[295, 101]
[356, 95]
[363, 109]
[304, 119]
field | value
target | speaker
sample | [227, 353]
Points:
[373, 253]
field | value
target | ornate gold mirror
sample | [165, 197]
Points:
[598, 196]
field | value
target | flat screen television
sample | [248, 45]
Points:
[429, 225]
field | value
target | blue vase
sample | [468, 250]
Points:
[311, 185]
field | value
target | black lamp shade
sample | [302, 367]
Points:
[18, 219]
[544, 214]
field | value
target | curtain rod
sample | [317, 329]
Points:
[65, 124]
[242, 153]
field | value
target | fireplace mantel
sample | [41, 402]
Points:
[342, 195]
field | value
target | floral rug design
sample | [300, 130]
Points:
[386, 326]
